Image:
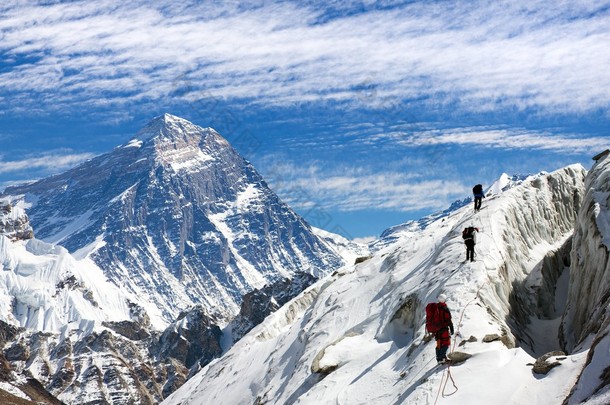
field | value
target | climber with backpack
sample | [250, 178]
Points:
[477, 191]
[438, 322]
[469, 234]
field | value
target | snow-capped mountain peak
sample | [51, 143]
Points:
[506, 182]
[172, 224]
[178, 218]
[169, 126]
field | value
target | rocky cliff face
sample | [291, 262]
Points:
[176, 218]
[260, 303]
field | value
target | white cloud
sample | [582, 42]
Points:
[352, 189]
[481, 54]
[53, 162]
[500, 138]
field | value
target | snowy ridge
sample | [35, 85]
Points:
[411, 228]
[506, 182]
[356, 337]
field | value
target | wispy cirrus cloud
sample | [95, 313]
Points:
[480, 55]
[503, 138]
[50, 162]
[350, 189]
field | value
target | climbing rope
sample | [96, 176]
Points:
[446, 377]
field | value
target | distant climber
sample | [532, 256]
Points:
[438, 321]
[477, 191]
[469, 235]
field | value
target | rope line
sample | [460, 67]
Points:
[445, 380]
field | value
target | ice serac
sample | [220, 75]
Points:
[587, 320]
[178, 218]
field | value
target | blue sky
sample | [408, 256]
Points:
[361, 115]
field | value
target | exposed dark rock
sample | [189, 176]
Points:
[491, 338]
[193, 338]
[458, 357]
[362, 259]
[406, 313]
[70, 283]
[260, 303]
[14, 228]
[176, 376]
[18, 351]
[131, 330]
[543, 366]
[8, 332]
[471, 339]
[324, 370]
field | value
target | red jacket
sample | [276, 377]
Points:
[443, 336]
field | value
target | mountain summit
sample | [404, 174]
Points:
[176, 218]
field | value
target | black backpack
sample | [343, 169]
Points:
[467, 233]
[478, 189]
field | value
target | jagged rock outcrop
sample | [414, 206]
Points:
[194, 338]
[543, 365]
[14, 223]
[259, 303]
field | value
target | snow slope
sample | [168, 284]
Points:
[349, 250]
[357, 337]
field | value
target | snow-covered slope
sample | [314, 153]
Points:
[177, 218]
[357, 337]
